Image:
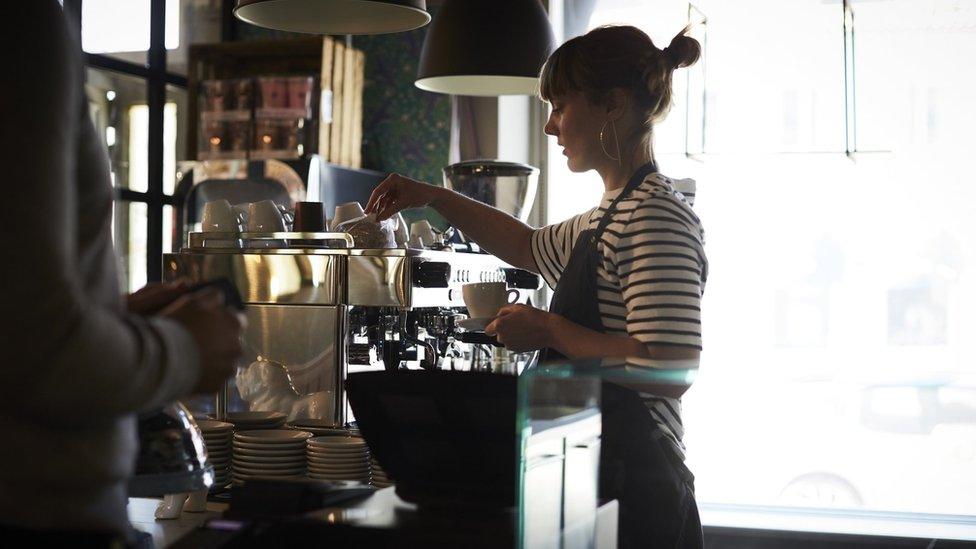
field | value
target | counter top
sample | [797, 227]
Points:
[142, 515]
[381, 518]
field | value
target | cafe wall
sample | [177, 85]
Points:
[405, 129]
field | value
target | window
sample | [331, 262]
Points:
[138, 106]
[122, 27]
[840, 221]
[910, 91]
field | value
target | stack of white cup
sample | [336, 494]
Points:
[422, 235]
[345, 212]
[353, 210]
[220, 217]
[265, 216]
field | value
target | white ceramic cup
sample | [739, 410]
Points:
[402, 233]
[220, 216]
[483, 299]
[345, 212]
[241, 211]
[265, 217]
[415, 242]
[422, 229]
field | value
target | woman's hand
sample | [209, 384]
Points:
[522, 328]
[154, 296]
[396, 193]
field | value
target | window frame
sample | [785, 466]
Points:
[154, 74]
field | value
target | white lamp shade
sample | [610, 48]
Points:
[485, 85]
[335, 16]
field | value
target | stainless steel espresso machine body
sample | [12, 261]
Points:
[318, 309]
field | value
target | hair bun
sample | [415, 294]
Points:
[683, 51]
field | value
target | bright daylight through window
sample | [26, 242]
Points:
[113, 26]
[839, 369]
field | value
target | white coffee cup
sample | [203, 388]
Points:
[265, 217]
[483, 299]
[415, 242]
[241, 211]
[422, 230]
[219, 216]
[402, 233]
[345, 212]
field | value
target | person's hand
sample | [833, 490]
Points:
[216, 329]
[521, 328]
[154, 296]
[396, 193]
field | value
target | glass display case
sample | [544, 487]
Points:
[559, 430]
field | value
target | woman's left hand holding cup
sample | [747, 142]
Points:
[521, 328]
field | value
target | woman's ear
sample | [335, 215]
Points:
[617, 101]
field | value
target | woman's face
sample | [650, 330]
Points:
[575, 124]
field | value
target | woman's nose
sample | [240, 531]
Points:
[550, 127]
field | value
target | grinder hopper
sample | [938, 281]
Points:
[508, 186]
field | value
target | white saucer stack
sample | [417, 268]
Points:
[250, 421]
[338, 458]
[217, 437]
[380, 478]
[269, 454]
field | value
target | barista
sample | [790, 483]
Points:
[628, 274]
[79, 360]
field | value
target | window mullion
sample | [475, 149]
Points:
[850, 98]
[72, 10]
[156, 99]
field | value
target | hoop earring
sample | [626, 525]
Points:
[616, 141]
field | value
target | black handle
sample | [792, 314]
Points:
[479, 338]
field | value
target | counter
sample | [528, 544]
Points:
[375, 519]
[558, 448]
[142, 515]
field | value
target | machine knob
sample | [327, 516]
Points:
[522, 279]
[432, 274]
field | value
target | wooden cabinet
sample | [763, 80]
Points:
[560, 463]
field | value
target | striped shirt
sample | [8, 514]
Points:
[652, 273]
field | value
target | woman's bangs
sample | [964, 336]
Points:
[556, 78]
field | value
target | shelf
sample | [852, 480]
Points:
[226, 116]
[289, 113]
[224, 155]
[279, 153]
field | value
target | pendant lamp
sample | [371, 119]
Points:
[335, 16]
[486, 48]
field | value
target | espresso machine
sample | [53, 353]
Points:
[319, 308]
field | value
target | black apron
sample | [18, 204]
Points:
[639, 465]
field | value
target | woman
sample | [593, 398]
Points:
[628, 275]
